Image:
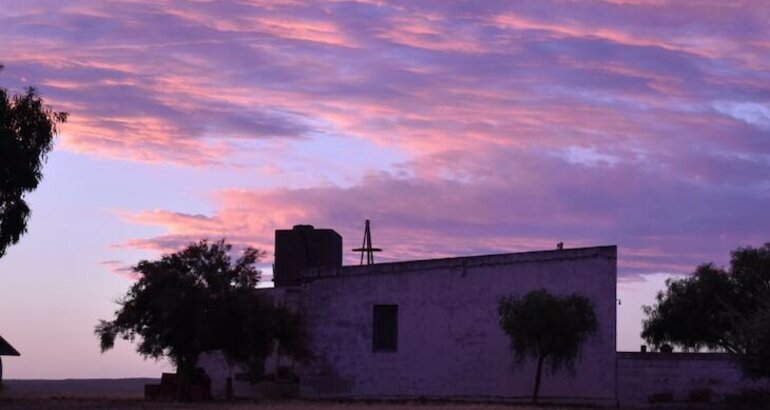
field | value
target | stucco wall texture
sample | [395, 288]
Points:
[645, 379]
[450, 344]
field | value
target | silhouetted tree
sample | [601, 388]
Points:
[249, 328]
[547, 328]
[193, 301]
[27, 128]
[694, 312]
[245, 325]
[718, 309]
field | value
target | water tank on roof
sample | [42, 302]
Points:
[304, 247]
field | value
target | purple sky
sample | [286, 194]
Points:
[458, 128]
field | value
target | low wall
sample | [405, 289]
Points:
[648, 379]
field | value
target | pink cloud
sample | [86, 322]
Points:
[661, 224]
[187, 83]
[522, 123]
[118, 268]
[432, 32]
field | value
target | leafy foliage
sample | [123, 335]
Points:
[27, 129]
[193, 301]
[245, 326]
[547, 328]
[291, 336]
[170, 306]
[694, 312]
[755, 333]
[718, 309]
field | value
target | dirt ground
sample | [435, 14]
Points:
[127, 394]
[135, 404]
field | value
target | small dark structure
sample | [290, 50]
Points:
[200, 389]
[304, 247]
[6, 350]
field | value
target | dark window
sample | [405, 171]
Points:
[385, 331]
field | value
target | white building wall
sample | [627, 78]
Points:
[450, 344]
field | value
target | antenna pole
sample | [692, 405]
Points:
[366, 246]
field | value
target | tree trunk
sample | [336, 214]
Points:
[537, 378]
[185, 370]
[229, 380]
[229, 388]
[277, 359]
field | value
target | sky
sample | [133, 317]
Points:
[457, 127]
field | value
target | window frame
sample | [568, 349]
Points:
[381, 343]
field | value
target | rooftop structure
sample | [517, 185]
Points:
[6, 349]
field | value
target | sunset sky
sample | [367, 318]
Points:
[457, 127]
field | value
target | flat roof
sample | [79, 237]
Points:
[606, 251]
[6, 349]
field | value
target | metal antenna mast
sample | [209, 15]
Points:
[366, 247]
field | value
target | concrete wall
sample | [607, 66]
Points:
[646, 379]
[450, 343]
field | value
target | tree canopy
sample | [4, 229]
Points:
[193, 301]
[718, 309]
[27, 129]
[550, 329]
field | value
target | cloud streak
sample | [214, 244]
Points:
[642, 123]
[661, 224]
